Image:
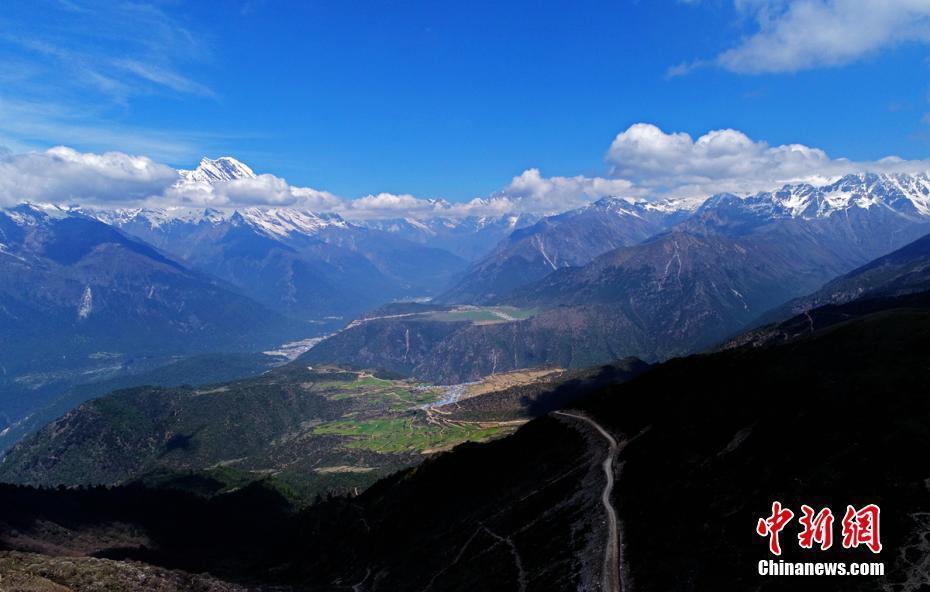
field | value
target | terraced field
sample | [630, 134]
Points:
[405, 434]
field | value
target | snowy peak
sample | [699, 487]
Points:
[273, 222]
[154, 218]
[285, 221]
[905, 194]
[35, 214]
[222, 169]
[629, 206]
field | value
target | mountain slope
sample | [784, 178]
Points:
[269, 424]
[303, 264]
[314, 430]
[900, 272]
[79, 297]
[193, 371]
[681, 292]
[300, 263]
[415, 270]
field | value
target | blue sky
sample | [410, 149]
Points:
[454, 99]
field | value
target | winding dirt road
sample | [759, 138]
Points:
[611, 574]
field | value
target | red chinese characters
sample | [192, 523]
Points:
[860, 527]
[817, 528]
[773, 525]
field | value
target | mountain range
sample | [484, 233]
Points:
[569, 239]
[690, 286]
[300, 263]
[617, 278]
[284, 415]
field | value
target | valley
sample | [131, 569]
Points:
[464, 296]
[531, 509]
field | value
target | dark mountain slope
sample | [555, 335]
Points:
[900, 272]
[193, 371]
[255, 427]
[822, 317]
[708, 442]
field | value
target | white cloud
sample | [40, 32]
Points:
[676, 165]
[164, 77]
[530, 191]
[64, 175]
[644, 162]
[806, 34]
[391, 205]
[262, 190]
[23, 121]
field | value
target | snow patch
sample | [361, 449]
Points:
[87, 303]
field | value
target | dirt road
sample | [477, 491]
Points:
[611, 574]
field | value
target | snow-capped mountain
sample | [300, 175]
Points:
[903, 194]
[272, 222]
[301, 263]
[640, 208]
[210, 171]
